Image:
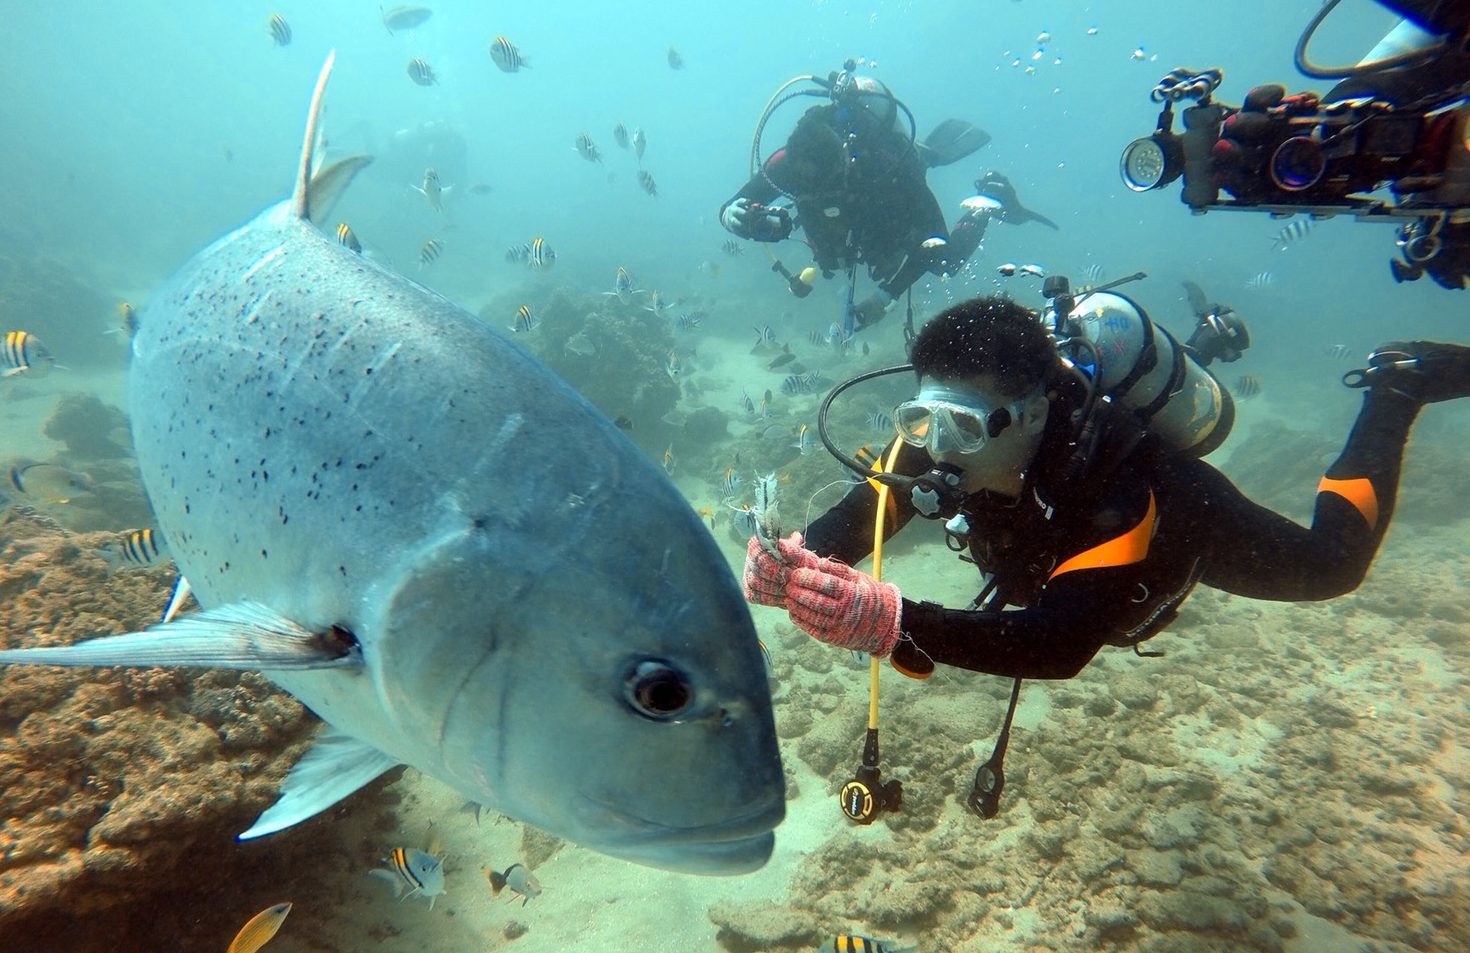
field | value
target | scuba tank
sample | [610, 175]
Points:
[1128, 359]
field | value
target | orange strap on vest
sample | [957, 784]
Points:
[1359, 492]
[1130, 547]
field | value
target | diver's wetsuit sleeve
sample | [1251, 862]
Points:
[1053, 639]
[759, 189]
[845, 532]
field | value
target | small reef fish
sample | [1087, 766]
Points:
[851, 943]
[540, 255]
[746, 519]
[347, 238]
[430, 251]
[764, 336]
[676, 61]
[518, 254]
[421, 72]
[801, 383]
[526, 322]
[22, 351]
[880, 423]
[1094, 273]
[412, 871]
[1247, 387]
[1339, 352]
[518, 879]
[669, 462]
[1291, 233]
[433, 190]
[688, 322]
[259, 929]
[733, 248]
[405, 17]
[730, 483]
[623, 288]
[646, 181]
[782, 359]
[674, 368]
[127, 318]
[803, 439]
[279, 29]
[506, 56]
[587, 149]
[1260, 282]
[142, 547]
[620, 135]
[640, 142]
[657, 304]
[46, 482]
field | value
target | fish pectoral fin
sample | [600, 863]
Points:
[329, 182]
[242, 635]
[332, 768]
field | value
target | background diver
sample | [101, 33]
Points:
[854, 171]
[1093, 547]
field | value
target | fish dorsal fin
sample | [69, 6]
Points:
[301, 195]
[332, 768]
[329, 182]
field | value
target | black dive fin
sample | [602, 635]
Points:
[951, 141]
[1198, 303]
[999, 188]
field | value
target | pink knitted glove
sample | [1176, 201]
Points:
[844, 607]
[765, 577]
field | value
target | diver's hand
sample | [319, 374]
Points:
[871, 309]
[739, 219]
[845, 607]
[765, 577]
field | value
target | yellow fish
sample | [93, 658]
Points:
[259, 929]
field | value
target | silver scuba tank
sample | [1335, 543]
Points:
[1143, 367]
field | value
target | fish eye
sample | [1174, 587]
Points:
[657, 690]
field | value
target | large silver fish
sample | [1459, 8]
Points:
[414, 527]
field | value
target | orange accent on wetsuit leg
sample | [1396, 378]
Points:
[1130, 547]
[1359, 492]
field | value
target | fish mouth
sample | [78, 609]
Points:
[737, 845]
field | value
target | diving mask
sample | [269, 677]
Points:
[947, 419]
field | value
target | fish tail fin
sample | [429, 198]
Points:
[300, 196]
[497, 882]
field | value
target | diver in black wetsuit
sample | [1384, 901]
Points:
[1093, 548]
[856, 178]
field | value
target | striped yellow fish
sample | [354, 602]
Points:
[541, 254]
[347, 238]
[259, 929]
[22, 351]
[142, 547]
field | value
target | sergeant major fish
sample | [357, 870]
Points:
[420, 571]
[433, 190]
[412, 871]
[506, 56]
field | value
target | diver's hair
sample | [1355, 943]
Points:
[993, 337]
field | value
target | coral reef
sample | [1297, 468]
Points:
[115, 782]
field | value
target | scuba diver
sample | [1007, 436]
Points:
[1093, 517]
[853, 170]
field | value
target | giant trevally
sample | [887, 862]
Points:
[410, 524]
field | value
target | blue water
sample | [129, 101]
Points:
[134, 134]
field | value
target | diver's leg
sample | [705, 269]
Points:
[1263, 555]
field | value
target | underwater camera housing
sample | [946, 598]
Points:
[1288, 154]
